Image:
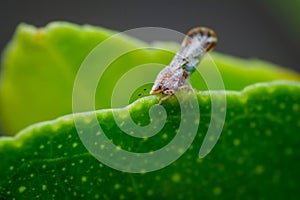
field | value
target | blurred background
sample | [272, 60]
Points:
[265, 29]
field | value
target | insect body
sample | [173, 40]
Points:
[195, 45]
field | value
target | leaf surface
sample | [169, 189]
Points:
[257, 155]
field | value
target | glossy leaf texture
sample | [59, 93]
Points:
[256, 157]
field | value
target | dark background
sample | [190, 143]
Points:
[248, 28]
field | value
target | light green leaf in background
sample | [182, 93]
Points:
[40, 64]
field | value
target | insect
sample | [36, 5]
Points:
[195, 45]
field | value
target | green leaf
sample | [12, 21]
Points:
[256, 157]
[39, 67]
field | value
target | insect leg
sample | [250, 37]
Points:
[169, 93]
[163, 99]
[185, 87]
[188, 88]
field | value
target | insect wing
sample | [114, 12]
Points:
[195, 45]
